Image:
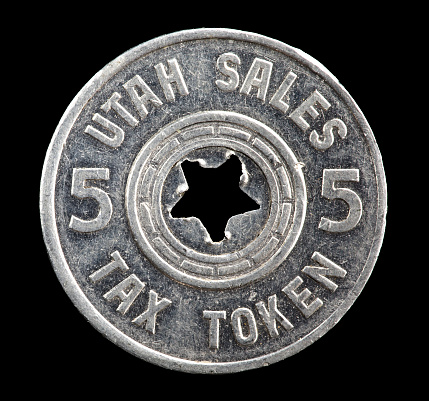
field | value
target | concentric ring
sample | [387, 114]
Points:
[237, 133]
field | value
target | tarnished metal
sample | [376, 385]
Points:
[158, 285]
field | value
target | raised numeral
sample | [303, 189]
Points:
[80, 189]
[331, 191]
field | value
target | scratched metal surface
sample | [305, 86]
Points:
[181, 337]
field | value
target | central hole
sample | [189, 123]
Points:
[214, 195]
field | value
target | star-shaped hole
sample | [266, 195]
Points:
[214, 195]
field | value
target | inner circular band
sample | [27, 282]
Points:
[144, 191]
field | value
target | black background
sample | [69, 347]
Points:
[64, 50]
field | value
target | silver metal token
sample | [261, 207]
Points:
[155, 279]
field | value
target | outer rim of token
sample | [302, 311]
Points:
[52, 241]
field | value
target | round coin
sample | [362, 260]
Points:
[152, 131]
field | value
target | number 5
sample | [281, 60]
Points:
[80, 189]
[330, 191]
